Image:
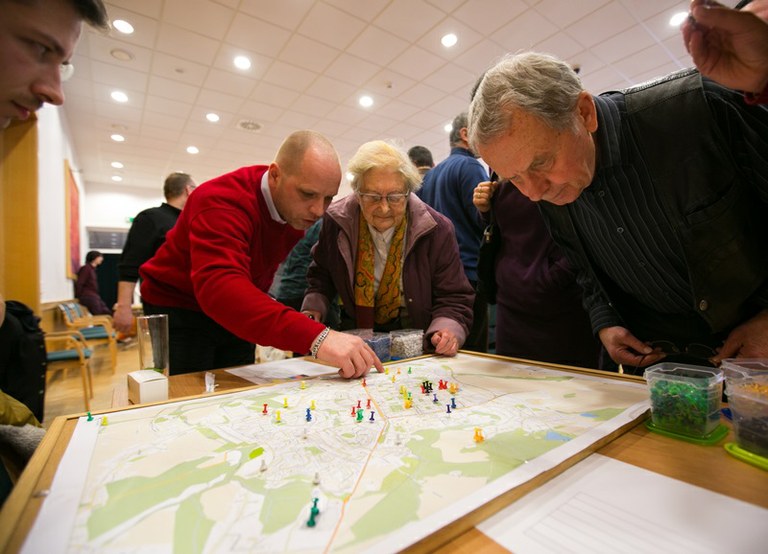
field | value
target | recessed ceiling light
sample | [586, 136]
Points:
[119, 96]
[193, 150]
[242, 62]
[123, 26]
[117, 178]
[677, 19]
[120, 54]
[117, 138]
[366, 101]
[117, 165]
[212, 117]
[449, 40]
[448, 127]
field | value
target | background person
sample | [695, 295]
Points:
[392, 259]
[213, 272]
[87, 285]
[146, 235]
[448, 188]
[421, 158]
[730, 46]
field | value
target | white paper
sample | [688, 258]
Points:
[602, 505]
[281, 369]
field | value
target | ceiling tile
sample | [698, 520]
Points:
[229, 83]
[174, 90]
[167, 106]
[216, 100]
[274, 95]
[200, 16]
[367, 11]
[524, 31]
[331, 26]
[476, 14]
[258, 111]
[408, 19]
[176, 69]
[377, 46]
[351, 69]
[330, 89]
[602, 24]
[289, 76]
[566, 12]
[255, 35]
[118, 77]
[285, 13]
[310, 105]
[186, 44]
[416, 56]
[467, 38]
[99, 48]
[309, 54]
[150, 8]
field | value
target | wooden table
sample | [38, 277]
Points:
[709, 467]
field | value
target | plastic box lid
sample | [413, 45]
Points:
[697, 376]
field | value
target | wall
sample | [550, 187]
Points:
[54, 147]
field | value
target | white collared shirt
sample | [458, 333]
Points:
[268, 198]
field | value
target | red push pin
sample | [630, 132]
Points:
[364, 382]
[265, 410]
[358, 404]
[354, 410]
[368, 404]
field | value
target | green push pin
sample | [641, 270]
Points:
[90, 417]
[360, 415]
[313, 513]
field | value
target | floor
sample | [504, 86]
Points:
[64, 393]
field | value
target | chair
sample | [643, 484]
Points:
[97, 329]
[68, 350]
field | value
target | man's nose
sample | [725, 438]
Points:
[535, 187]
[47, 88]
[317, 208]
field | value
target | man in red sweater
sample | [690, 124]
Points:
[213, 272]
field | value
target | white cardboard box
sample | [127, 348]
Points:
[146, 385]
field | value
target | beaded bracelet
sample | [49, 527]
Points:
[318, 341]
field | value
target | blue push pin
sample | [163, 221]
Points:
[434, 398]
[448, 411]
[309, 415]
[453, 403]
[371, 418]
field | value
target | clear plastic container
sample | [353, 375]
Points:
[746, 383]
[406, 343]
[685, 399]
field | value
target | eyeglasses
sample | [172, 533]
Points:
[694, 349]
[694, 354]
[393, 199]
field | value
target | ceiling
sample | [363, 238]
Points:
[313, 59]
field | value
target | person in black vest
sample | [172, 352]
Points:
[657, 194]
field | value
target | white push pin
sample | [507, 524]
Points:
[263, 465]
[316, 480]
[210, 381]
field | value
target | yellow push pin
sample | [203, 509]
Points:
[285, 402]
[104, 421]
[312, 405]
[479, 435]
[393, 377]
[408, 403]
[386, 371]
[303, 385]
[277, 416]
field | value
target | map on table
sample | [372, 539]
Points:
[217, 474]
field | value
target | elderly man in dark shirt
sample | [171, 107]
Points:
[658, 194]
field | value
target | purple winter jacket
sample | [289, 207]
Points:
[437, 293]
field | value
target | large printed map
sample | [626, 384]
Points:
[218, 474]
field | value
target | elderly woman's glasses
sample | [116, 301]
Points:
[393, 199]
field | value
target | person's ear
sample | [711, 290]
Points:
[587, 112]
[463, 134]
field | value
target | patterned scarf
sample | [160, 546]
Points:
[385, 306]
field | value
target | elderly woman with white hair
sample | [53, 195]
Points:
[393, 261]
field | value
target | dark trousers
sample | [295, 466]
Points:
[477, 340]
[198, 343]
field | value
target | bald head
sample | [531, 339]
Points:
[304, 178]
